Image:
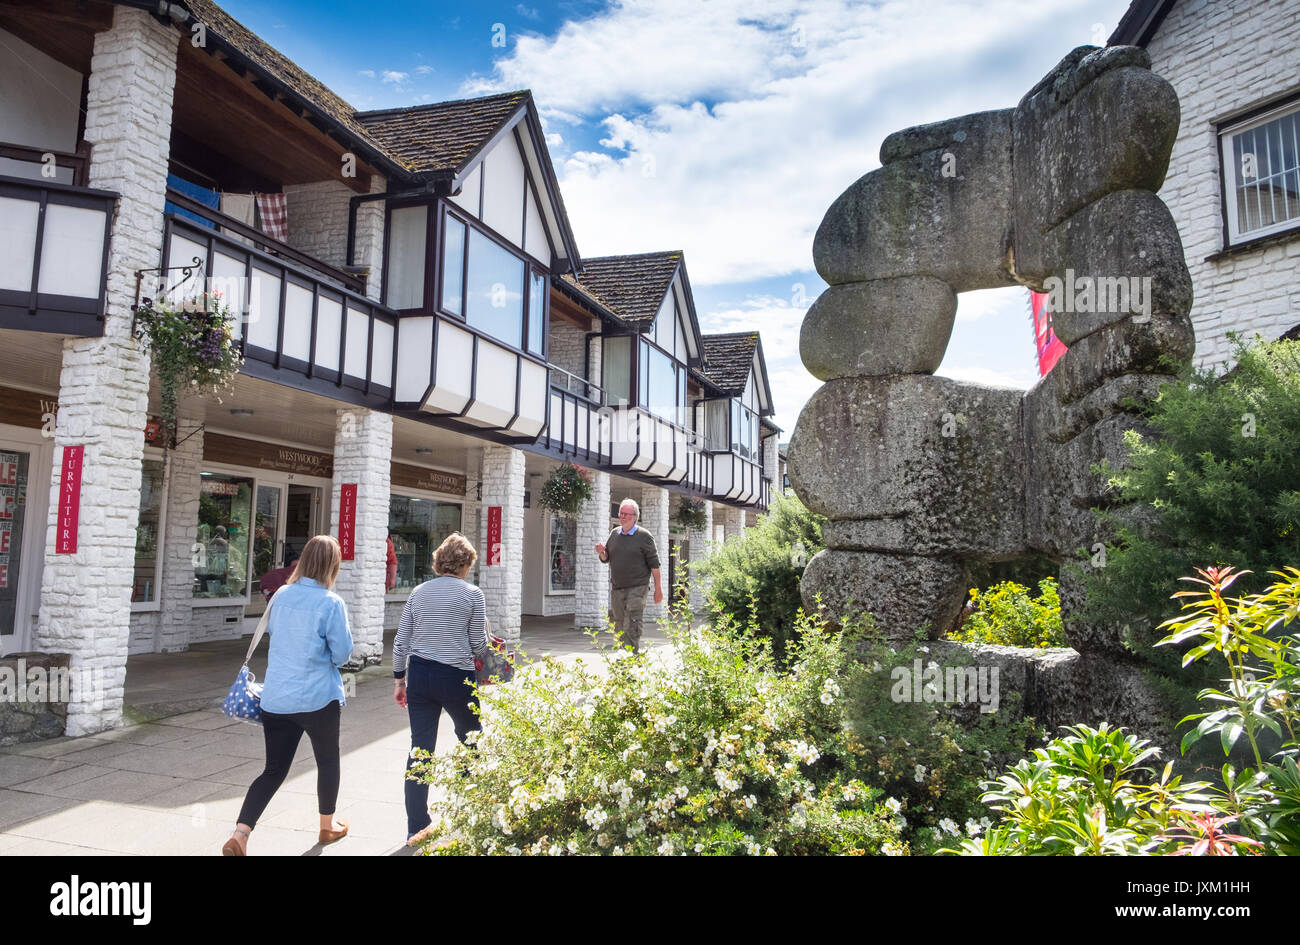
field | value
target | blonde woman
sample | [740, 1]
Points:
[440, 633]
[303, 692]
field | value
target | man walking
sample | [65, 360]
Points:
[632, 558]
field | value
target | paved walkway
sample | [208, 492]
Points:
[172, 780]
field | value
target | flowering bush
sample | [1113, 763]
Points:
[565, 490]
[702, 749]
[1008, 615]
[190, 345]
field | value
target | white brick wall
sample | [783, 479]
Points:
[318, 225]
[654, 518]
[503, 584]
[700, 539]
[104, 384]
[568, 347]
[733, 521]
[1222, 57]
[592, 600]
[363, 446]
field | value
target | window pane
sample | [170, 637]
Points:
[225, 509]
[616, 362]
[147, 533]
[564, 544]
[536, 312]
[453, 261]
[663, 385]
[418, 527]
[494, 302]
[643, 376]
[406, 255]
[715, 424]
[1267, 171]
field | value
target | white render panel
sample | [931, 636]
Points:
[381, 355]
[264, 319]
[357, 343]
[18, 237]
[182, 253]
[297, 322]
[40, 104]
[455, 361]
[467, 199]
[535, 232]
[73, 251]
[329, 323]
[503, 196]
[227, 277]
[414, 342]
[495, 388]
[532, 392]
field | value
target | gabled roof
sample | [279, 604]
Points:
[728, 359]
[1140, 22]
[441, 137]
[632, 287]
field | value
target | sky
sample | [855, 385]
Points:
[724, 128]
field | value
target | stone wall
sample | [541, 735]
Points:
[1222, 58]
[318, 226]
[591, 603]
[503, 584]
[568, 348]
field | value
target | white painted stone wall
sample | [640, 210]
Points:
[363, 446]
[318, 226]
[104, 384]
[771, 462]
[733, 521]
[503, 584]
[700, 540]
[1224, 57]
[470, 515]
[654, 518]
[591, 604]
[184, 469]
[567, 348]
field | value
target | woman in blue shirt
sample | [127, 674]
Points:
[303, 692]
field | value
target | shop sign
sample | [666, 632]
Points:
[494, 535]
[65, 542]
[219, 448]
[348, 519]
[25, 408]
[427, 480]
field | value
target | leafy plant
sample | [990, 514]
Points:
[192, 345]
[690, 514]
[1008, 615]
[566, 490]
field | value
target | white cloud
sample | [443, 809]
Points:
[554, 140]
[423, 70]
[527, 12]
[395, 78]
[989, 377]
[368, 73]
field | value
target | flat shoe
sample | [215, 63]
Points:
[232, 848]
[415, 839]
[329, 836]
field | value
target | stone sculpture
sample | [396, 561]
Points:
[919, 475]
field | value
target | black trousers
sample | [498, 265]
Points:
[283, 732]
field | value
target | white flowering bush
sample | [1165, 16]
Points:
[704, 749]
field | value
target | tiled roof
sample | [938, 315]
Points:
[632, 287]
[728, 359]
[441, 136]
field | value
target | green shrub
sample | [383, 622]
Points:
[761, 570]
[1008, 615]
[705, 748]
[1220, 481]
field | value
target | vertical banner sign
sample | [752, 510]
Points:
[348, 519]
[494, 535]
[65, 542]
[1048, 347]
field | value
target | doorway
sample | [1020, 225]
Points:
[24, 490]
[286, 516]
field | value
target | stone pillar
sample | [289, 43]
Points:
[591, 603]
[503, 583]
[104, 384]
[772, 463]
[733, 521]
[654, 518]
[184, 477]
[471, 522]
[363, 449]
[700, 540]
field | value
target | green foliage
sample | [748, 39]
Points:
[1220, 480]
[1008, 615]
[566, 489]
[762, 568]
[709, 751]
[690, 514]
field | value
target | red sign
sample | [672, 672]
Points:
[8, 471]
[6, 536]
[494, 535]
[1048, 347]
[348, 519]
[65, 540]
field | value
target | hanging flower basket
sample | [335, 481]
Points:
[690, 513]
[193, 347]
[566, 490]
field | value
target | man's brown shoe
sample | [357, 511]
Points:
[329, 836]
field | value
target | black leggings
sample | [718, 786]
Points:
[283, 732]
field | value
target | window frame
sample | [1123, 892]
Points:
[156, 455]
[1226, 134]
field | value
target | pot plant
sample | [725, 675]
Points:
[192, 345]
[566, 490]
[690, 514]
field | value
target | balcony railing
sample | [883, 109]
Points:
[297, 325]
[737, 478]
[575, 425]
[54, 262]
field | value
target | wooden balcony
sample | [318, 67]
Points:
[738, 479]
[573, 431]
[53, 271]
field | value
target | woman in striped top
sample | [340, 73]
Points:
[440, 633]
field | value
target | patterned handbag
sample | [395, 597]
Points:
[244, 700]
[497, 664]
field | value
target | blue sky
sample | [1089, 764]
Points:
[724, 128]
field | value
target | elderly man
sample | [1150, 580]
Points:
[632, 559]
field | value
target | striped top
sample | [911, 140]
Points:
[443, 621]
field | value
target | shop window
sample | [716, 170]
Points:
[417, 527]
[221, 545]
[564, 544]
[148, 534]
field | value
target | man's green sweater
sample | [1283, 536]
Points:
[631, 558]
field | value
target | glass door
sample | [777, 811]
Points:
[14, 468]
[268, 540]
